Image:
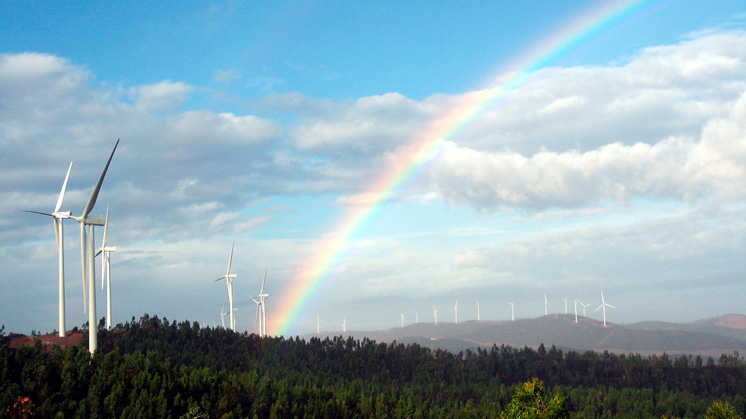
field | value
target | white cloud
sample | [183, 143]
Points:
[162, 96]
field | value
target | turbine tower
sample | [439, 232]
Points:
[57, 217]
[512, 313]
[435, 314]
[478, 319]
[603, 305]
[455, 309]
[106, 268]
[402, 320]
[344, 324]
[416, 317]
[229, 283]
[87, 257]
[584, 306]
[565, 300]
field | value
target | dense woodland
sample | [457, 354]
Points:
[153, 368]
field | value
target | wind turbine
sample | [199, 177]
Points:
[402, 320]
[106, 268]
[57, 217]
[86, 254]
[512, 313]
[576, 310]
[229, 282]
[416, 317]
[584, 306]
[222, 315]
[603, 305]
[260, 307]
[344, 324]
[455, 309]
[546, 312]
[435, 314]
[477, 310]
[565, 300]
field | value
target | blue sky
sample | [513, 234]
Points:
[618, 167]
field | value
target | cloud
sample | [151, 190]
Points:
[162, 96]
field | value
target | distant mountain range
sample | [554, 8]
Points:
[709, 337]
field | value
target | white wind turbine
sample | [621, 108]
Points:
[512, 313]
[603, 305]
[416, 317]
[106, 268]
[229, 282]
[455, 309]
[576, 310]
[546, 312]
[261, 310]
[584, 306]
[402, 320]
[435, 314]
[344, 324]
[87, 256]
[565, 300]
[57, 217]
[222, 315]
[478, 319]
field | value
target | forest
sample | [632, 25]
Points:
[155, 368]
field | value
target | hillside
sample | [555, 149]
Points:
[707, 338]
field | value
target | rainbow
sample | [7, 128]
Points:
[331, 250]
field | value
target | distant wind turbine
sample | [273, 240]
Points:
[512, 313]
[576, 310]
[222, 315]
[584, 306]
[402, 320]
[416, 317]
[344, 324]
[57, 217]
[106, 268]
[229, 283]
[435, 314]
[261, 310]
[546, 310]
[455, 309]
[603, 305]
[478, 319]
[565, 300]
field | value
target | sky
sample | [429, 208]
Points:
[497, 151]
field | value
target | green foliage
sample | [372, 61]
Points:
[721, 410]
[156, 368]
[529, 403]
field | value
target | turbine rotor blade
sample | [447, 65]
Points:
[263, 281]
[106, 227]
[92, 200]
[83, 260]
[230, 259]
[39, 212]
[62, 191]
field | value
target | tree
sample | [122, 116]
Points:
[721, 410]
[528, 403]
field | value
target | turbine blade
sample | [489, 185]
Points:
[598, 307]
[222, 277]
[62, 191]
[609, 305]
[39, 212]
[230, 260]
[106, 227]
[92, 200]
[263, 281]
